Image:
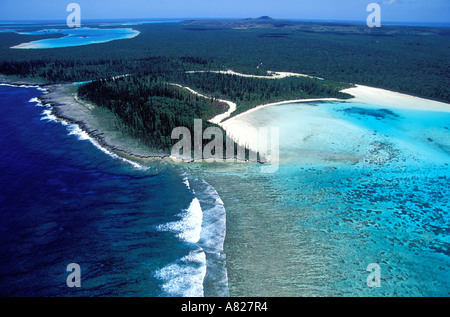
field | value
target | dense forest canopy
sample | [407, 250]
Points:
[249, 92]
[150, 109]
[413, 60]
[151, 106]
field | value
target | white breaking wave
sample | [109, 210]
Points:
[25, 86]
[186, 182]
[214, 220]
[36, 100]
[82, 135]
[185, 277]
[203, 223]
[188, 229]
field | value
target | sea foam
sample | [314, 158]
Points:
[188, 229]
[82, 135]
[184, 278]
[203, 224]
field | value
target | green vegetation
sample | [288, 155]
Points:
[413, 60]
[150, 109]
[150, 106]
[249, 92]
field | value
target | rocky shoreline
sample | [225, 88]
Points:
[97, 123]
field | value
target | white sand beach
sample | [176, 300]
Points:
[217, 119]
[282, 103]
[316, 133]
[270, 74]
[390, 99]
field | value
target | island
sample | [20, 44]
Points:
[131, 97]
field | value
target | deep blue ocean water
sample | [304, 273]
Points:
[133, 231]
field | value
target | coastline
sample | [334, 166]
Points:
[362, 94]
[391, 99]
[279, 103]
[71, 111]
[99, 123]
[4, 80]
[241, 128]
[43, 44]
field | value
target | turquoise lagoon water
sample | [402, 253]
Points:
[77, 37]
[357, 184]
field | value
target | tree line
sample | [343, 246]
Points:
[149, 108]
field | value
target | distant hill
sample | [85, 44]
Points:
[265, 17]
